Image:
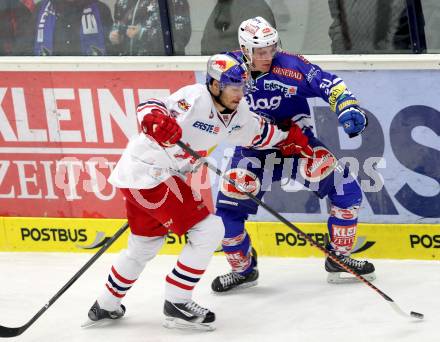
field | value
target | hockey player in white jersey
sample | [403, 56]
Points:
[158, 200]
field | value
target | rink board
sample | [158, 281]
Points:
[64, 123]
[389, 241]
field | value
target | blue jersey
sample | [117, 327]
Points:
[282, 93]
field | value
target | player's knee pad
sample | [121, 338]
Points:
[208, 233]
[229, 197]
[232, 220]
[346, 193]
[142, 248]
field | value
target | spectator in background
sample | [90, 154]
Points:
[401, 38]
[71, 27]
[138, 31]
[431, 14]
[15, 16]
[220, 32]
[361, 26]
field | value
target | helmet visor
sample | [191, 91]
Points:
[265, 53]
[235, 77]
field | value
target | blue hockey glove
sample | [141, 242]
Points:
[353, 120]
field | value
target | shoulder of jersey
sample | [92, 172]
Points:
[287, 58]
[188, 96]
[243, 111]
[190, 93]
[243, 106]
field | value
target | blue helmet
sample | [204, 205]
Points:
[226, 69]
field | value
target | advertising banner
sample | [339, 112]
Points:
[383, 241]
[79, 235]
[61, 134]
[397, 158]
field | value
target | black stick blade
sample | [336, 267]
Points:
[406, 314]
[417, 315]
[10, 332]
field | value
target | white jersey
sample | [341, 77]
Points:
[144, 164]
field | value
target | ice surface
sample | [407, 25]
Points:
[293, 302]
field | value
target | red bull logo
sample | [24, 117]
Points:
[223, 64]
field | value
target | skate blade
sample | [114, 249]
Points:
[102, 322]
[177, 323]
[237, 288]
[347, 278]
[90, 323]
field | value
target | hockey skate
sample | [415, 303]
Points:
[188, 315]
[337, 275]
[98, 315]
[234, 281]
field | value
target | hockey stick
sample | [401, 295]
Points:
[12, 332]
[299, 232]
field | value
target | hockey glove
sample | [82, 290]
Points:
[295, 143]
[353, 120]
[162, 128]
[285, 125]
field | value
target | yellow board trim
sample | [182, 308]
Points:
[79, 235]
[381, 241]
[3, 242]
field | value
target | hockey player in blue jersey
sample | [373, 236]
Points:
[279, 87]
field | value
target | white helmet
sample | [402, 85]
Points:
[256, 33]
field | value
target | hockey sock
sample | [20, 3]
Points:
[181, 281]
[342, 226]
[127, 268]
[203, 239]
[236, 243]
